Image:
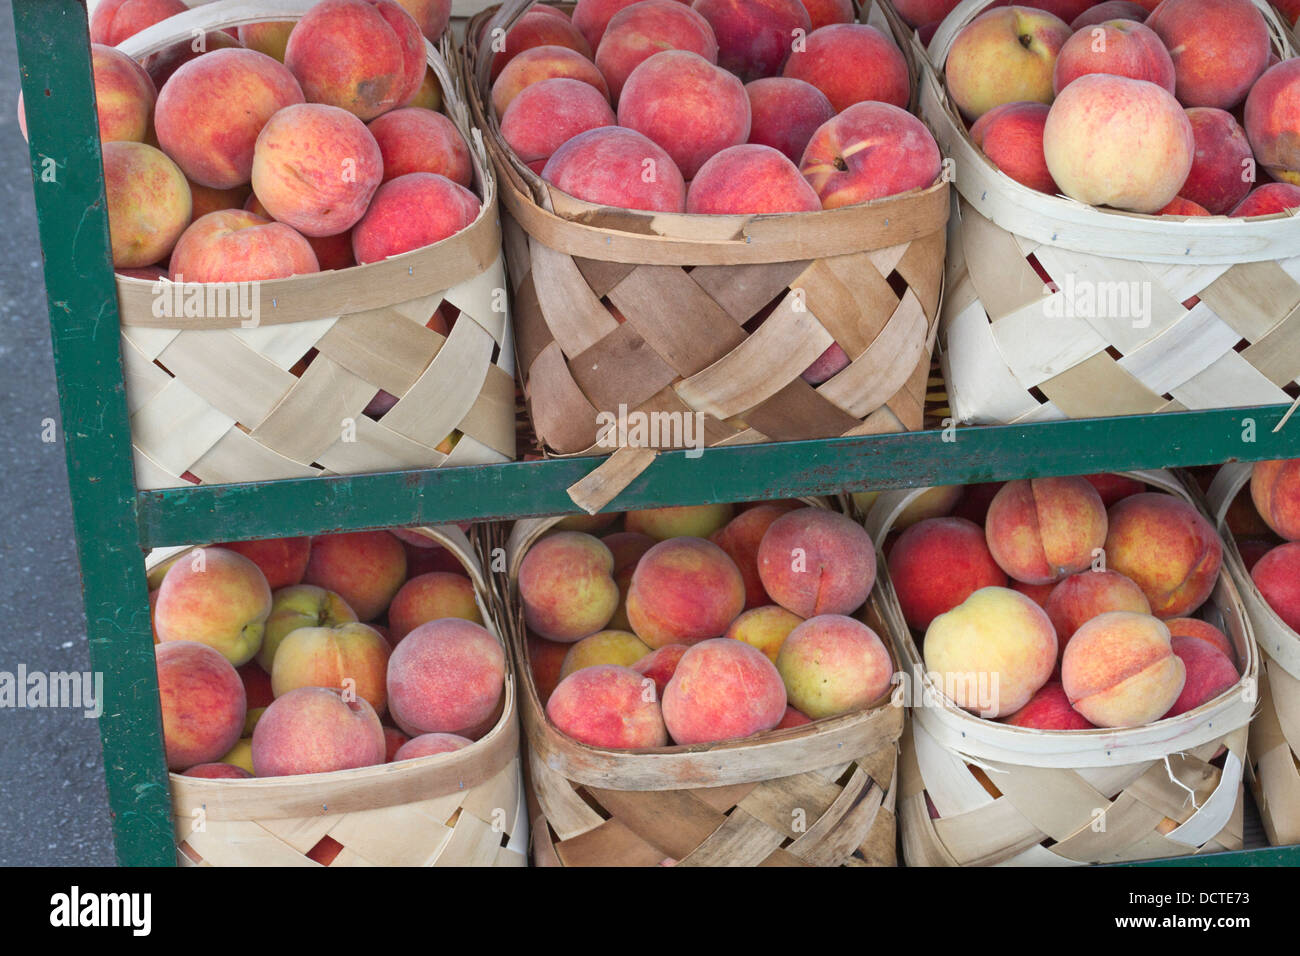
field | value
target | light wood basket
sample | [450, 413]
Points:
[822, 794]
[1069, 797]
[1275, 732]
[1188, 313]
[464, 808]
[868, 277]
[212, 400]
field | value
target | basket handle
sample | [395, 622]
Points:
[507, 15]
[1229, 480]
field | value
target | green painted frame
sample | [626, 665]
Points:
[114, 522]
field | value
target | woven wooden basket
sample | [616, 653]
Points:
[1069, 797]
[1143, 313]
[464, 808]
[215, 401]
[817, 795]
[868, 277]
[1275, 732]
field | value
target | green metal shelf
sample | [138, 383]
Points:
[115, 523]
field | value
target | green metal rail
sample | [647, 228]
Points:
[114, 522]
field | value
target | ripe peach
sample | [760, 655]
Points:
[1113, 487]
[349, 657]
[755, 37]
[722, 690]
[937, 564]
[204, 199]
[1273, 121]
[365, 568]
[850, 63]
[214, 597]
[241, 755]
[1067, 10]
[785, 113]
[545, 659]
[429, 597]
[1081, 597]
[445, 677]
[257, 684]
[148, 203]
[1209, 674]
[991, 653]
[828, 364]
[1005, 55]
[684, 590]
[608, 706]
[1169, 550]
[825, 12]
[202, 700]
[1113, 141]
[314, 730]
[690, 107]
[792, 718]
[1118, 47]
[429, 94]
[1277, 575]
[1110, 10]
[1203, 631]
[1049, 709]
[544, 63]
[413, 140]
[162, 66]
[1275, 491]
[660, 665]
[546, 115]
[591, 17]
[124, 95]
[332, 252]
[604, 647]
[1011, 136]
[919, 13]
[613, 166]
[282, 560]
[1222, 164]
[765, 627]
[750, 180]
[814, 561]
[411, 212]
[1178, 206]
[218, 771]
[300, 605]
[431, 16]
[393, 741]
[627, 547]
[1268, 200]
[237, 246]
[679, 521]
[1219, 48]
[269, 37]
[1119, 670]
[1038, 593]
[639, 31]
[538, 27]
[426, 745]
[740, 538]
[831, 664]
[566, 586]
[112, 21]
[1042, 529]
[868, 151]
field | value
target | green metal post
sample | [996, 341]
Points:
[67, 173]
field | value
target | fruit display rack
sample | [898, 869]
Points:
[115, 522]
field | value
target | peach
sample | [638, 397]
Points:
[1120, 670]
[1202, 631]
[1277, 575]
[237, 246]
[1038, 593]
[750, 180]
[679, 521]
[639, 31]
[591, 17]
[1178, 206]
[124, 95]
[612, 166]
[546, 115]
[300, 605]
[446, 676]
[257, 684]
[429, 94]
[429, 597]
[537, 27]
[241, 755]
[822, 13]
[1110, 10]
[660, 665]
[202, 701]
[831, 664]
[314, 730]
[218, 771]
[1117, 47]
[850, 63]
[1011, 136]
[162, 66]
[1067, 10]
[332, 252]
[813, 561]
[740, 538]
[393, 741]
[828, 364]
[214, 597]
[792, 718]
[785, 113]
[1113, 487]
[1081, 597]
[1222, 164]
[1042, 529]
[545, 658]
[1268, 200]
[937, 564]
[566, 586]
[431, 16]
[425, 555]
[919, 13]
[1114, 141]
[350, 657]
[544, 63]
[269, 37]
[764, 627]
[411, 212]
[722, 690]
[205, 199]
[869, 151]
[427, 745]
[604, 647]
[283, 561]
[755, 37]
[991, 653]
[112, 21]
[251, 717]
[148, 203]
[684, 590]
[365, 568]
[1275, 491]
[1169, 550]
[936, 502]
[1273, 121]
[1209, 674]
[1219, 48]
[364, 56]
[627, 547]
[1049, 709]
[413, 140]
[1005, 55]
[685, 104]
[608, 706]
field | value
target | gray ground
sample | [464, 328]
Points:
[53, 807]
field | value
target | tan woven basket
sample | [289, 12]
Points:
[1069, 797]
[817, 795]
[1149, 313]
[214, 400]
[1275, 731]
[868, 277]
[464, 808]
